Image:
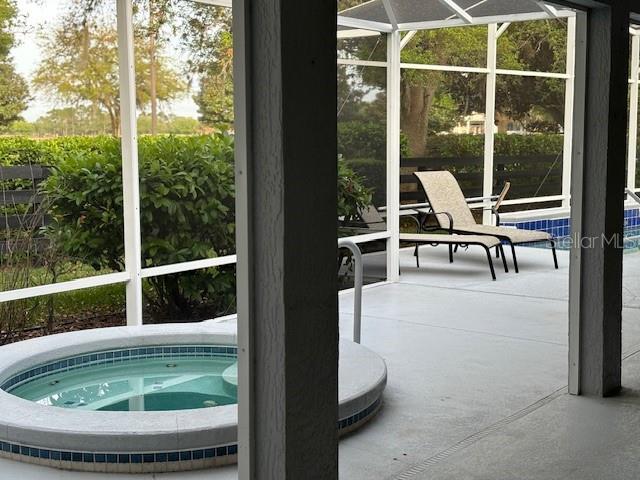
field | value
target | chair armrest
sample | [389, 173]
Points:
[450, 229]
[499, 200]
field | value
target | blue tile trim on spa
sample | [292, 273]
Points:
[110, 357]
[8, 448]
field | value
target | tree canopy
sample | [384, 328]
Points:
[14, 91]
[80, 68]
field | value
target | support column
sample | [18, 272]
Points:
[286, 174]
[595, 291]
[633, 112]
[569, 97]
[393, 155]
[130, 173]
[490, 121]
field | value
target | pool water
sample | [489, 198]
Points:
[156, 384]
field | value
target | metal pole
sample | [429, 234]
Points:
[568, 111]
[393, 155]
[633, 113]
[490, 120]
[357, 286]
[130, 175]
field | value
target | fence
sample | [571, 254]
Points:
[530, 175]
[20, 201]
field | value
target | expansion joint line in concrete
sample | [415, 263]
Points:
[423, 466]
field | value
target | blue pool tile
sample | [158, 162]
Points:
[221, 451]
[173, 456]
[45, 453]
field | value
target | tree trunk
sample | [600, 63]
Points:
[416, 104]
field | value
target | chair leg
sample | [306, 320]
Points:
[450, 253]
[504, 259]
[455, 250]
[417, 255]
[498, 248]
[553, 250]
[490, 258]
[515, 260]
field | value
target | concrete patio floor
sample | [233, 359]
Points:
[477, 379]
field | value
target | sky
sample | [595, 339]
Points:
[39, 17]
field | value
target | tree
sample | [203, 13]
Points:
[80, 68]
[208, 39]
[535, 45]
[14, 92]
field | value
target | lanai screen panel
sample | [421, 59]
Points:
[422, 11]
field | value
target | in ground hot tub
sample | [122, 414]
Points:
[144, 399]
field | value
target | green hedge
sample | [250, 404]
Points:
[365, 140]
[186, 211]
[28, 151]
[186, 207]
[451, 146]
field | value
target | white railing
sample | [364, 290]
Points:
[633, 195]
[357, 287]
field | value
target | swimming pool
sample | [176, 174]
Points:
[557, 223]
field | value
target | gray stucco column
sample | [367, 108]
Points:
[286, 174]
[598, 181]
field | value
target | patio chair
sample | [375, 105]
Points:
[444, 195]
[371, 216]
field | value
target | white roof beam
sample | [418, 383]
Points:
[551, 11]
[217, 3]
[388, 8]
[357, 33]
[358, 23]
[456, 22]
[502, 29]
[407, 38]
[458, 10]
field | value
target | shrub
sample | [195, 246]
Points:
[353, 196]
[186, 211]
[451, 146]
[365, 140]
[373, 174]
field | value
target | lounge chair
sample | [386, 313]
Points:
[371, 216]
[444, 195]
